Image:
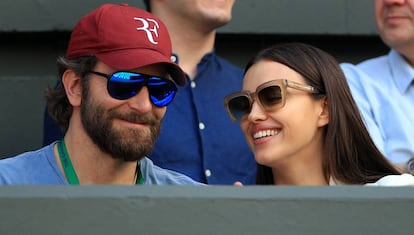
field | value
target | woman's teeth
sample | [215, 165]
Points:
[265, 133]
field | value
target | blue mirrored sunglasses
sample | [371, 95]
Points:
[123, 85]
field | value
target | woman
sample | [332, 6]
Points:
[300, 120]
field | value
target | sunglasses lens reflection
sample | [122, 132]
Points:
[239, 106]
[270, 96]
[161, 91]
[124, 85]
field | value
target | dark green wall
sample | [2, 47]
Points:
[339, 17]
[339, 210]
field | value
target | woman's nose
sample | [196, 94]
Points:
[256, 113]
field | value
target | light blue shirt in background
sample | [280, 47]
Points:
[383, 89]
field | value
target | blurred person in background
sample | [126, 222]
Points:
[383, 87]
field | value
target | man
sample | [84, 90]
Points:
[383, 87]
[116, 81]
[198, 139]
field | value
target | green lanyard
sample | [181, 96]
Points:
[70, 172]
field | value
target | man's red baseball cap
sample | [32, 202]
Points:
[124, 38]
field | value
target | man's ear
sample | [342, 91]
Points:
[72, 84]
[324, 114]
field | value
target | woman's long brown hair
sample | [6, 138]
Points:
[351, 156]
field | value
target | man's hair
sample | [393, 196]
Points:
[147, 5]
[58, 104]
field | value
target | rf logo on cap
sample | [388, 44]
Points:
[151, 32]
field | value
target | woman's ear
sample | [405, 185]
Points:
[72, 84]
[324, 114]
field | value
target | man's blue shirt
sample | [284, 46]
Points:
[383, 88]
[40, 168]
[197, 136]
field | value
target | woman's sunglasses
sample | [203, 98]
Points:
[123, 85]
[270, 96]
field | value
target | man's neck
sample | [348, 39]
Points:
[410, 60]
[407, 52]
[191, 49]
[91, 165]
[190, 43]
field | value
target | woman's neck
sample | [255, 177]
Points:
[305, 168]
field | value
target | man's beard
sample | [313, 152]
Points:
[127, 144]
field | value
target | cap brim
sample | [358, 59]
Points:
[124, 60]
